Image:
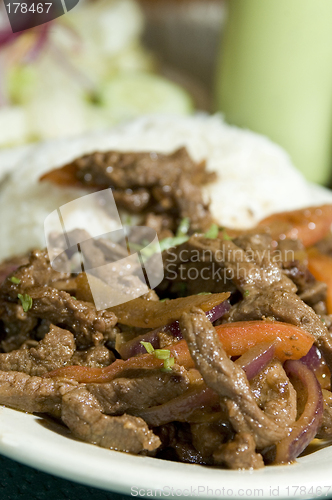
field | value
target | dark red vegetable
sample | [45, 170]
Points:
[306, 427]
[254, 360]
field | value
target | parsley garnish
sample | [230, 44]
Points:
[15, 280]
[183, 227]
[26, 301]
[213, 232]
[148, 346]
[225, 236]
[164, 354]
[246, 293]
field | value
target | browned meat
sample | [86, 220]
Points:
[325, 246]
[142, 391]
[207, 437]
[96, 357]
[9, 265]
[145, 182]
[89, 326]
[33, 394]
[227, 380]
[274, 394]
[82, 413]
[325, 430]
[16, 325]
[239, 453]
[52, 352]
[38, 272]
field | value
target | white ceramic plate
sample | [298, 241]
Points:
[37, 442]
[49, 447]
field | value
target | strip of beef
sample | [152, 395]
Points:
[16, 325]
[239, 454]
[89, 326]
[325, 430]
[275, 394]
[141, 391]
[38, 272]
[227, 379]
[82, 413]
[52, 352]
[95, 357]
[142, 182]
[33, 394]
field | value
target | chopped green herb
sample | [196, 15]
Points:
[246, 293]
[168, 363]
[15, 280]
[26, 301]
[322, 320]
[148, 346]
[225, 236]
[162, 353]
[167, 243]
[204, 293]
[73, 297]
[163, 300]
[212, 233]
[183, 227]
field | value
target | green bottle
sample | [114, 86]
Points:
[275, 77]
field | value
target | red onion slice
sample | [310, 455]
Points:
[254, 360]
[306, 427]
[134, 347]
[313, 359]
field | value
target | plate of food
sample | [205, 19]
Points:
[213, 382]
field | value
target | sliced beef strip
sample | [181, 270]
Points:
[248, 271]
[275, 394]
[325, 430]
[227, 379]
[82, 413]
[10, 265]
[33, 394]
[89, 326]
[141, 391]
[239, 454]
[16, 325]
[207, 437]
[54, 351]
[94, 357]
[145, 182]
[38, 272]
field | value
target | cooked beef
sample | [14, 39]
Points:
[95, 357]
[145, 182]
[89, 326]
[239, 454]
[16, 325]
[33, 394]
[82, 413]
[54, 351]
[274, 394]
[325, 430]
[207, 437]
[37, 272]
[9, 265]
[227, 380]
[141, 391]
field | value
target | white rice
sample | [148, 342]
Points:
[255, 176]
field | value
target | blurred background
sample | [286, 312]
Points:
[267, 66]
[104, 62]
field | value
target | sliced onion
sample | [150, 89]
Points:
[306, 427]
[216, 313]
[313, 359]
[134, 347]
[254, 360]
